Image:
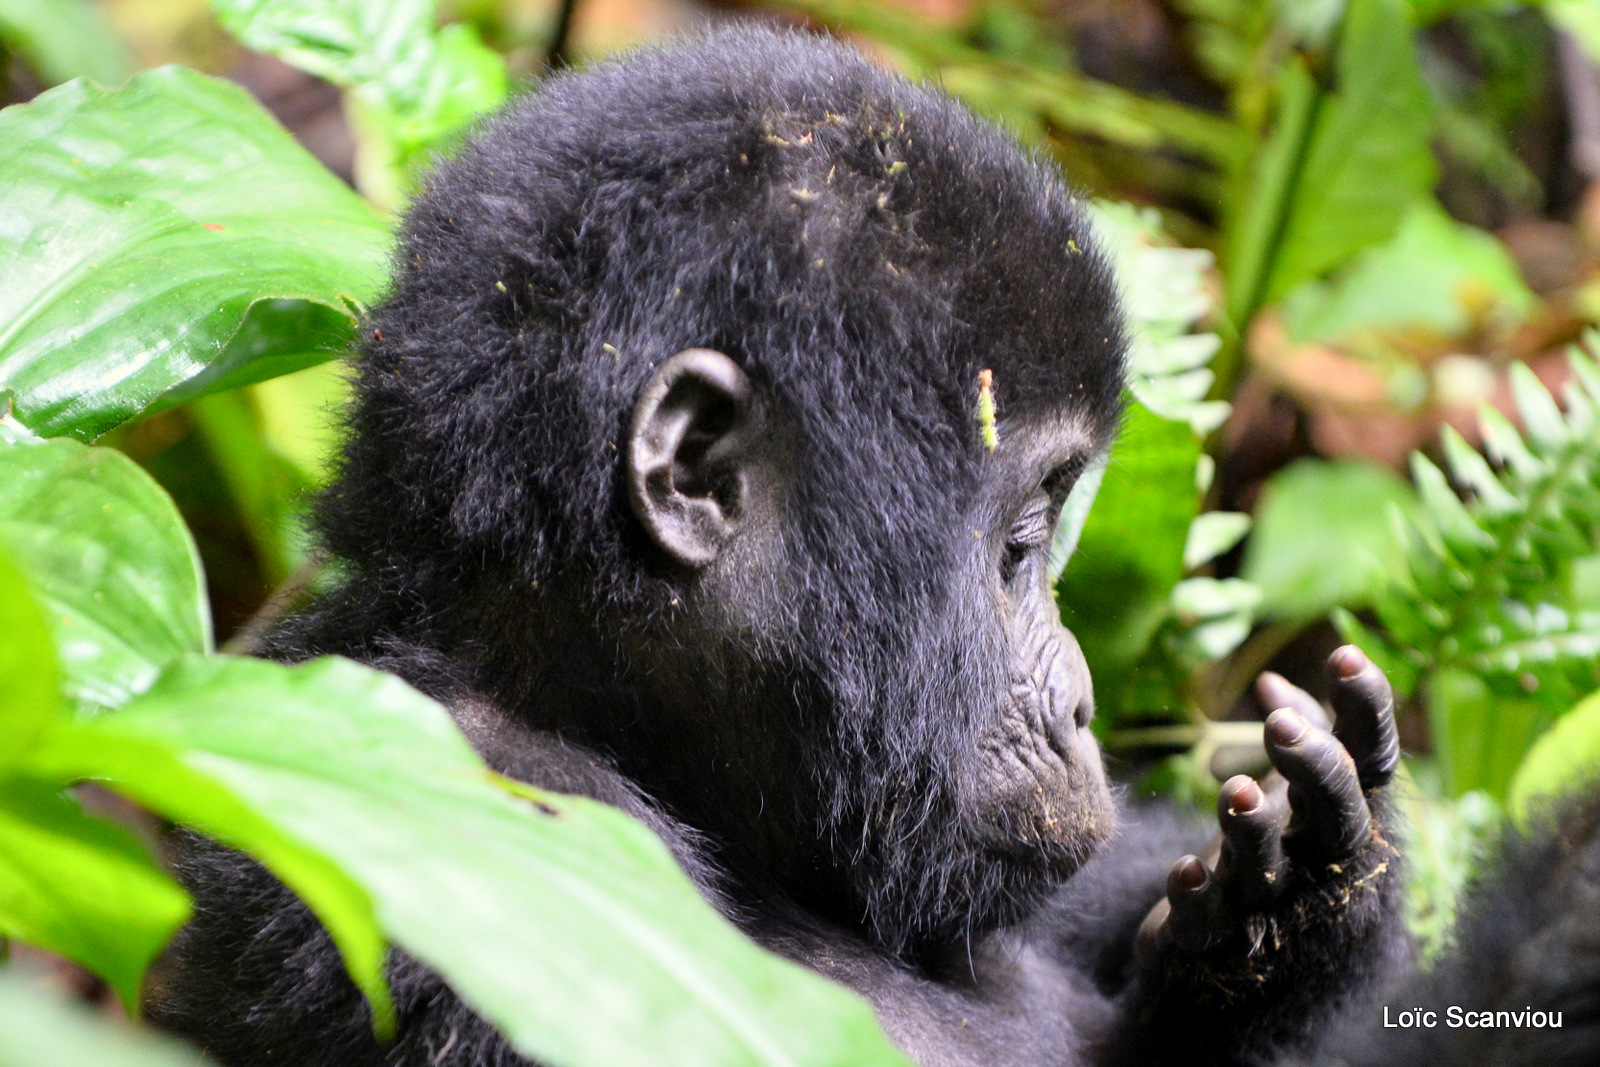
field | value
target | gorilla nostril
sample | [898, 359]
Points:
[1083, 714]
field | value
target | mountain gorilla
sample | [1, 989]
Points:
[667, 473]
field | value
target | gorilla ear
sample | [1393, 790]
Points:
[689, 452]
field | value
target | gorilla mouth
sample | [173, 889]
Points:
[1054, 816]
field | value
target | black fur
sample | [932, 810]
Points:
[1528, 940]
[808, 730]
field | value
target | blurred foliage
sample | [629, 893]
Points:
[64, 39]
[1494, 616]
[43, 1030]
[413, 85]
[1354, 237]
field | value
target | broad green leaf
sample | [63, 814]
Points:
[1480, 733]
[1568, 755]
[267, 490]
[42, 1030]
[64, 39]
[300, 417]
[159, 239]
[566, 923]
[1435, 274]
[1114, 592]
[1324, 536]
[1341, 169]
[421, 85]
[106, 553]
[29, 674]
[1368, 158]
[81, 887]
[1212, 598]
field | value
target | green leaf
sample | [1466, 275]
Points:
[1472, 471]
[81, 887]
[64, 39]
[1212, 534]
[1538, 408]
[1114, 592]
[1368, 159]
[1445, 510]
[159, 239]
[1029, 94]
[1444, 849]
[1480, 733]
[1165, 293]
[45, 1031]
[109, 558]
[267, 490]
[1219, 612]
[1435, 273]
[1341, 168]
[1213, 598]
[565, 923]
[29, 674]
[420, 84]
[1566, 756]
[1324, 536]
[300, 417]
[1581, 19]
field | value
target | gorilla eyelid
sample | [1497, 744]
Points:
[1031, 530]
[1059, 482]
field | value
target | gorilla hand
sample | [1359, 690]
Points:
[1315, 823]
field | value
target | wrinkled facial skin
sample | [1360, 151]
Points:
[1038, 782]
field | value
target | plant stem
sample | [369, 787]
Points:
[557, 51]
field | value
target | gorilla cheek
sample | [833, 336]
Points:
[1044, 781]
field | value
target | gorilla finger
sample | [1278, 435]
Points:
[1148, 942]
[1325, 795]
[1252, 866]
[1274, 691]
[1363, 704]
[1199, 917]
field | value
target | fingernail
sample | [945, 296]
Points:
[1191, 873]
[1246, 799]
[1348, 660]
[1285, 726]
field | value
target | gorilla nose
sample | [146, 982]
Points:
[1069, 700]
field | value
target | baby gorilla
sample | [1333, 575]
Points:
[666, 473]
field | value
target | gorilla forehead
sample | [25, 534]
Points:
[863, 246]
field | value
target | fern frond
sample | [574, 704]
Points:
[1490, 588]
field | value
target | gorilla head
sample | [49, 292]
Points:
[669, 435]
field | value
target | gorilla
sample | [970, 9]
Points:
[670, 473]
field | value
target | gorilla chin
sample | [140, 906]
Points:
[1046, 807]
